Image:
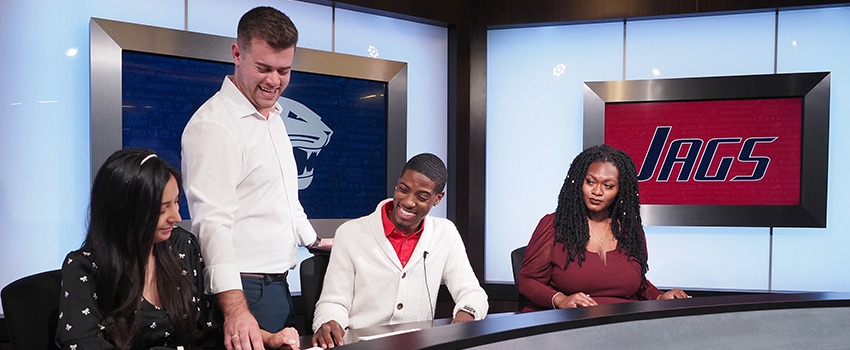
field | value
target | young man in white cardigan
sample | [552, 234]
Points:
[395, 259]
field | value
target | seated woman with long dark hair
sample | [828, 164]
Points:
[592, 249]
[137, 281]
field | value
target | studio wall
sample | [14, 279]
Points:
[44, 103]
[535, 130]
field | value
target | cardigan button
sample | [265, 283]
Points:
[404, 275]
[399, 306]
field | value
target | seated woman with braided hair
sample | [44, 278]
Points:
[592, 250]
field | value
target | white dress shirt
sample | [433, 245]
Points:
[242, 186]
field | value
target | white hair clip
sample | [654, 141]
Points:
[146, 159]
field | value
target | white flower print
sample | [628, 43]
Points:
[73, 346]
[61, 314]
[93, 265]
[184, 272]
[181, 255]
[153, 325]
[66, 293]
[167, 334]
[86, 253]
[195, 272]
[70, 260]
[84, 279]
[100, 326]
[209, 324]
[67, 327]
[86, 311]
[94, 296]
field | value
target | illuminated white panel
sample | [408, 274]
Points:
[817, 259]
[220, 17]
[700, 46]
[44, 124]
[727, 258]
[425, 49]
[534, 123]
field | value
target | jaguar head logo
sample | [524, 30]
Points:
[308, 134]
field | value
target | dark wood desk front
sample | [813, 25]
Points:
[757, 321]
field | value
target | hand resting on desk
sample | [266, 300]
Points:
[674, 294]
[329, 335]
[462, 316]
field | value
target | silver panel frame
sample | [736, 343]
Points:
[109, 38]
[813, 88]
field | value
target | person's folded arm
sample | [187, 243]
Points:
[80, 317]
[304, 229]
[461, 281]
[337, 289]
[536, 271]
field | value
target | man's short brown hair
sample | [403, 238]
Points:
[268, 24]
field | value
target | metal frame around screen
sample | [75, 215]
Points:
[109, 38]
[813, 88]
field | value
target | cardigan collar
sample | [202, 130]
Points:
[376, 229]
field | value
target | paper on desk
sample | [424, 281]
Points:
[370, 337]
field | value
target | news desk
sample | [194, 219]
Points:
[754, 321]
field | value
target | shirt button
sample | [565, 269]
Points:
[404, 275]
[399, 306]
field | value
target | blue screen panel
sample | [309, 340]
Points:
[337, 125]
[338, 129]
[160, 94]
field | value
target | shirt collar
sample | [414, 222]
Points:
[243, 105]
[389, 227]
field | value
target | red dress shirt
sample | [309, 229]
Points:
[402, 244]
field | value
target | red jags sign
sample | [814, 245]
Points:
[716, 152]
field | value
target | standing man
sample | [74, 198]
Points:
[242, 186]
[386, 267]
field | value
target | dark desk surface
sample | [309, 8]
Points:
[503, 328]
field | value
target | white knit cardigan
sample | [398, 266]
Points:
[366, 285]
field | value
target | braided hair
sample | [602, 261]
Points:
[571, 227]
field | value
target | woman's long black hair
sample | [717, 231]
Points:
[126, 198]
[571, 226]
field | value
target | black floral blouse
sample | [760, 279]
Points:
[79, 325]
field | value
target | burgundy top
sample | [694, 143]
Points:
[543, 275]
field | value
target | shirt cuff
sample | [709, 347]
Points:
[221, 278]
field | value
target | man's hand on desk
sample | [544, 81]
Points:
[328, 335]
[241, 331]
[462, 316]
